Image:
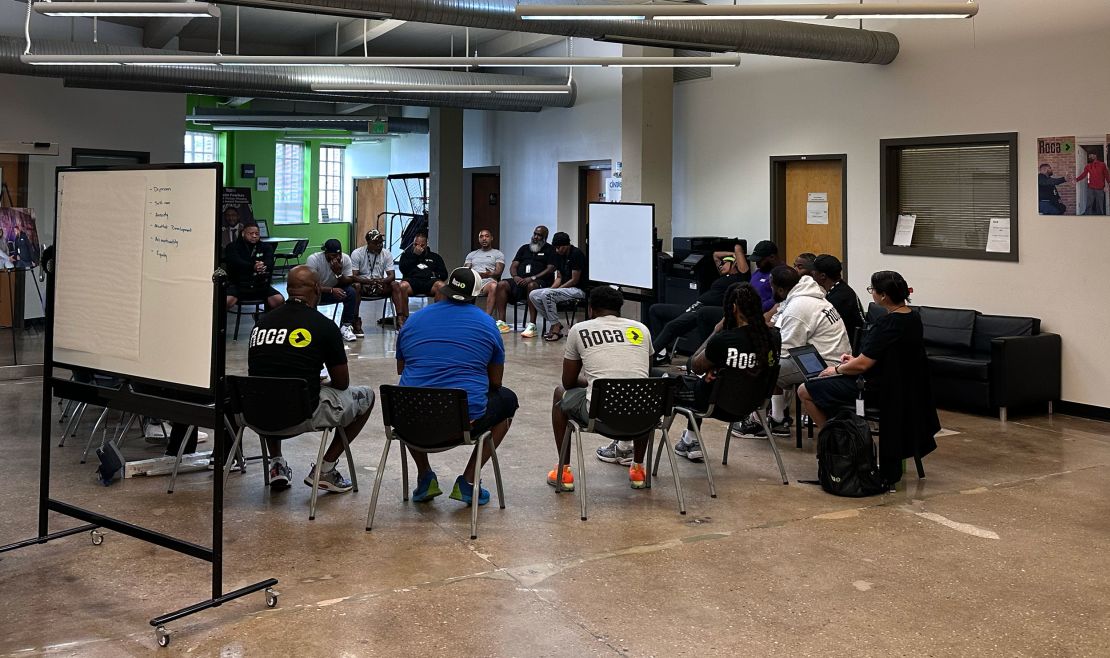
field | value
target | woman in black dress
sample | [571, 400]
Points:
[892, 356]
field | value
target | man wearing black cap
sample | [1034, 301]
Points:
[828, 273]
[469, 355]
[373, 270]
[423, 271]
[765, 257]
[336, 275]
[570, 276]
[669, 322]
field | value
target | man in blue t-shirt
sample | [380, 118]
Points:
[457, 345]
[765, 257]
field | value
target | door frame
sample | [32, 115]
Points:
[778, 196]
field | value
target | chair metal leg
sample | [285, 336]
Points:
[74, 422]
[238, 317]
[236, 445]
[771, 439]
[666, 442]
[797, 419]
[648, 465]
[126, 428]
[728, 439]
[920, 467]
[692, 424]
[581, 471]
[265, 460]
[239, 451]
[496, 473]
[1050, 407]
[378, 483]
[73, 416]
[476, 489]
[1002, 414]
[350, 459]
[564, 458]
[404, 474]
[324, 436]
[92, 435]
[177, 461]
[658, 456]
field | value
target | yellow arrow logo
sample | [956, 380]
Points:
[634, 335]
[300, 338]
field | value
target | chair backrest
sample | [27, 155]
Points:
[736, 394]
[630, 407]
[300, 247]
[428, 418]
[271, 404]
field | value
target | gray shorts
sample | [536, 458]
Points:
[789, 373]
[575, 405]
[336, 409]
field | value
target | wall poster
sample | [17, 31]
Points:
[1072, 175]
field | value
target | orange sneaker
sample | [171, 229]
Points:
[568, 478]
[637, 476]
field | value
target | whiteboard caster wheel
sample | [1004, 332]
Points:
[271, 598]
[163, 636]
[97, 537]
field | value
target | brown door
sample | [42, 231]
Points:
[485, 208]
[369, 203]
[813, 201]
[591, 189]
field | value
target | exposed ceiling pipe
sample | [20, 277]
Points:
[781, 38]
[279, 120]
[292, 83]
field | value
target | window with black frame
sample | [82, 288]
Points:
[951, 197]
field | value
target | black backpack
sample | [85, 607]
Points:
[846, 464]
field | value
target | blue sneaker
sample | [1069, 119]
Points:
[427, 488]
[464, 491]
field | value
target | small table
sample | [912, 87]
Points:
[279, 240]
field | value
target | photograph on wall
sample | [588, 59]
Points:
[19, 239]
[235, 209]
[1072, 175]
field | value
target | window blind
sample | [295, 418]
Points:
[954, 191]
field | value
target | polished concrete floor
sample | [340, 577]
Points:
[1002, 550]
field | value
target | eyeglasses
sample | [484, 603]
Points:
[870, 289]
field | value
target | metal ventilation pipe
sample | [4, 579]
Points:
[293, 83]
[758, 37]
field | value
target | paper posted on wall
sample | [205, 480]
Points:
[903, 231]
[998, 236]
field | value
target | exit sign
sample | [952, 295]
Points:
[380, 127]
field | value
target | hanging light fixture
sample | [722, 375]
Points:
[398, 62]
[380, 88]
[689, 12]
[141, 9]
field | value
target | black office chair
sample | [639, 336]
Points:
[751, 396]
[258, 307]
[299, 247]
[622, 409]
[431, 420]
[271, 405]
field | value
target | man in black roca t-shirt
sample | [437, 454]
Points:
[295, 340]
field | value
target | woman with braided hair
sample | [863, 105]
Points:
[742, 340]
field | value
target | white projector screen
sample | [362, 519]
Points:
[135, 252]
[620, 243]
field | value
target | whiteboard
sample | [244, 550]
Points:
[620, 243]
[135, 252]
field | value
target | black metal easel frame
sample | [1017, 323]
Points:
[125, 398]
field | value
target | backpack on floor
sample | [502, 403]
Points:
[846, 463]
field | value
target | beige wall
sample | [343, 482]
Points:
[1022, 65]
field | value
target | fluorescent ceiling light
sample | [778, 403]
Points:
[147, 9]
[402, 62]
[439, 89]
[807, 11]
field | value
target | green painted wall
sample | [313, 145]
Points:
[258, 148]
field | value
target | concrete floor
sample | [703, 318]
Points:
[1001, 551]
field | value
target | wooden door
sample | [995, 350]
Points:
[591, 189]
[814, 202]
[369, 203]
[485, 208]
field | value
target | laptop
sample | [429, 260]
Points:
[263, 228]
[809, 361]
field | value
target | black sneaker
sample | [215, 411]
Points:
[748, 429]
[779, 427]
[660, 360]
[280, 474]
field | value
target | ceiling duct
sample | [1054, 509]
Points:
[281, 120]
[291, 83]
[758, 37]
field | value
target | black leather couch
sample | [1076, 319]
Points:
[988, 361]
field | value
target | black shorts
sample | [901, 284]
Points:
[832, 393]
[244, 293]
[519, 292]
[501, 404]
[421, 286]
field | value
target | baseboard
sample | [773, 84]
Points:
[1083, 410]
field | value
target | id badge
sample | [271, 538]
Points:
[528, 268]
[859, 407]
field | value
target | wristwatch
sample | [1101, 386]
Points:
[836, 368]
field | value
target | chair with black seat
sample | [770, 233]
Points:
[431, 420]
[299, 247]
[623, 409]
[258, 307]
[271, 405]
[744, 396]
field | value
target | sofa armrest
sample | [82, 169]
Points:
[1025, 369]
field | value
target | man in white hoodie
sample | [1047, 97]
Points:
[804, 318]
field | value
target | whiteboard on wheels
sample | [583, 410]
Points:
[621, 244]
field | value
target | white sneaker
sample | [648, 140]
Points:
[348, 333]
[529, 331]
[202, 436]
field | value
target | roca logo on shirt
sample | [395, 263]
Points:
[599, 336]
[297, 337]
